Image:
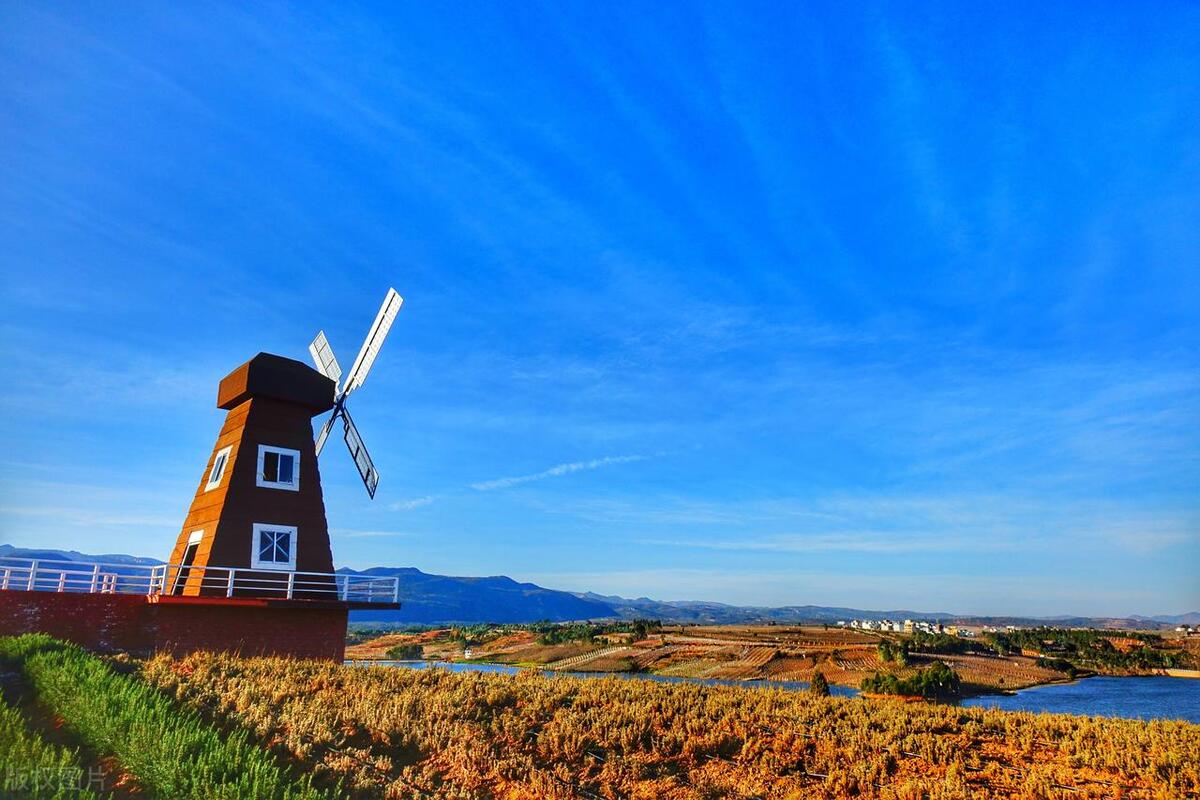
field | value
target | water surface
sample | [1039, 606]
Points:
[1136, 698]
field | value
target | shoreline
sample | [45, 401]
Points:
[968, 691]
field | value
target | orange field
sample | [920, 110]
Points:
[781, 653]
[395, 733]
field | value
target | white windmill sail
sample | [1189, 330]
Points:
[325, 429]
[323, 357]
[374, 341]
[362, 460]
[327, 363]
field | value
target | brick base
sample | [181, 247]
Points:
[133, 624]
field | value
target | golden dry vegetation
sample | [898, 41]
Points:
[730, 652]
[431, 733]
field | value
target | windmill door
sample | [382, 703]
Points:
[185, 564]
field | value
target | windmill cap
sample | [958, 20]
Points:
[278, 378]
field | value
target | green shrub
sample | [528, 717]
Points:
[405, 652]
[34, 769]
[172, 753]
[936, 680]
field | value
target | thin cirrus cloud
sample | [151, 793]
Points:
[561, 469]
[348, 533]
[416, 502]
[865, 542]
[517, 480]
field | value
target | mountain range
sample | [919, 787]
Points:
[436, 599]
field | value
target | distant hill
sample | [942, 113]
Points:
[430, 599]
[706, 612]
[1190, 618]
[72, 555]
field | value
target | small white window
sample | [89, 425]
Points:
[274, 547]
[218, 469]
[278, 467]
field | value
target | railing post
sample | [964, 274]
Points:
[7, 575]
[396, 590]
[62, 580]
[32, 575]
[343, 587]
[229, 587]
[291, 584]
[95, 578]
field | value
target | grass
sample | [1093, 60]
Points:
[170, 753]
[34, 769]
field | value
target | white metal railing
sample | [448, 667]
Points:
[39, 575]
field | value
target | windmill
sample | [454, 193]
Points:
[327, 363]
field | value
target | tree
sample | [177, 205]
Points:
[938, 680]
[893, 651]
[935, 681]
[819, 686]
[405, 652]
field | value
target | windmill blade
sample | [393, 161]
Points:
[325, 429]
[374, 341]
[326, 361]
[362, 460]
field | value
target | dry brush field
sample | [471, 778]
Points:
[731, 652]
[431, 733]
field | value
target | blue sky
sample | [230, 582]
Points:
[881, 306]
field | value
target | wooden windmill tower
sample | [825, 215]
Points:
[257, 526]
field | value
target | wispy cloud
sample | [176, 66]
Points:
[989, 594]
[845, 542]
[416, 502]
[561, 469]
[348, 533]
[517, 480]
[93, 516]
[897, 523]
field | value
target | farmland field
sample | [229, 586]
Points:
[219, 726]
[730, 652]
[433, 733]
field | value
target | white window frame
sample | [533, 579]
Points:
[263, 449]
[214, 482]
[255, 563]
[195, 537]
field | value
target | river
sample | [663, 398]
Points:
[1135, 698]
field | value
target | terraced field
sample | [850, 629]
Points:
[774, 652]
[1013, 672]
[577, 663]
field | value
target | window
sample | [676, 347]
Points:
[218, 469]
[274, 547]
[278, 467]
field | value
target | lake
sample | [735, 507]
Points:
[1140, 698]
[1136, 698]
